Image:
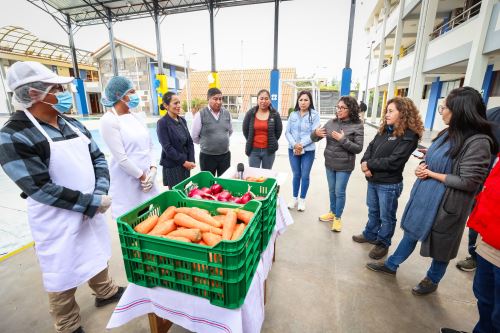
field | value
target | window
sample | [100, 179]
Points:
[449, 86]
[253, 101]
[232, 104]
[495, 87]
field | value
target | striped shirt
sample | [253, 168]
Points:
[25, 156]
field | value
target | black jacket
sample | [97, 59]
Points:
[274, 129]
[387, 155]
[170, 133]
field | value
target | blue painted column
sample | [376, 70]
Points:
[345, 83]
[154, 86]
[434, 96]
[274, 89]
[81, 97]
[487, 83]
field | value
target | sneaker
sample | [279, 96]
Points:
[467, 265]
[361, 239]
[337, 224]
[105, 301]
[292, 204]
[380, 267]
[79, 330]
[449, 330]
[424, 287]
[302, 205]
[328, 217]
[378, 251]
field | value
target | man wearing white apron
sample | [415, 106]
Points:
[132, 168]
[64, 176]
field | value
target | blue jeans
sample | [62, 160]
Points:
[260, 158]
[301, 169]
[486, 288]
[382, 202]
[337, 183]
[405, 249]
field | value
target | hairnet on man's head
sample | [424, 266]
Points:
[22, 97]
[116, 88]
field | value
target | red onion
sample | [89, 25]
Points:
[216, 189]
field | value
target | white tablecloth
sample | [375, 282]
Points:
[196, 313]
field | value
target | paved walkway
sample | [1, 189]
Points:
[318, 282]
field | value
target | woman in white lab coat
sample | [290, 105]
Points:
[132, 168]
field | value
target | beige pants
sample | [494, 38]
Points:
[65, 310]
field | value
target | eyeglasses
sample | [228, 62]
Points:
[441, 108]
[341, 108]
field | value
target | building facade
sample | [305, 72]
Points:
[425, 48]
[141, 67]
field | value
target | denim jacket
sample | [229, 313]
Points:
[298, 129]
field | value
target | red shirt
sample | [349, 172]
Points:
[260, 133]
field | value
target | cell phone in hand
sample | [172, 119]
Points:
[418, 154]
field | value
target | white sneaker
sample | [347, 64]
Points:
[302, 205]
[292, 204]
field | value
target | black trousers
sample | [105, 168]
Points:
[216, 164]
[173, 176]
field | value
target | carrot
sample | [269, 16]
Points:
[201, 210]
[244, 215]
[202, 243]
[184, 210]
[181, 239]
[194, 235]
[216, 231]
[187, 221]
[201, 216]
[168, 214]
[147, 225]
[229, 225]
[163, 228]
[211, 239]
[220, 218]
[223, 211]
[238, 231]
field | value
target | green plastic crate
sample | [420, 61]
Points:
[221, 274]
[267, 189]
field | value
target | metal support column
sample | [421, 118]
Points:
[214, 78]
[112, 41]
[345, 85]
[158, 37]
[161, 78]
[81, 96]
[395, 51]
[367, 95]
[275, 73]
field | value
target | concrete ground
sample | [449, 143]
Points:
[318, 283]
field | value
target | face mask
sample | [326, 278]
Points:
[64, 102]
[133, 101]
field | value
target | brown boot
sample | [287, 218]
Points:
[362, 239]
[378, 252]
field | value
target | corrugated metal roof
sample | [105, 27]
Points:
[243, 82]
[89, 12]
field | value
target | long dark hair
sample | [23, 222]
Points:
[409, 117]
[468, 117]
[353, 106]
[311, 103]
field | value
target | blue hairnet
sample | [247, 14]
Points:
[116, 88]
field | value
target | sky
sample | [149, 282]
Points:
[312, 35]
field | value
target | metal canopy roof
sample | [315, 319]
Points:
[17, 40]
[91, 12]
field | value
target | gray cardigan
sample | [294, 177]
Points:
[470, 169]
[341, 155]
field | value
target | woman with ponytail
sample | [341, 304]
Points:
[177, 155]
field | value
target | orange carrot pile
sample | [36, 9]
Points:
[196, 225]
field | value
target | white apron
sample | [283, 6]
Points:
[126, 190]
[71, 248]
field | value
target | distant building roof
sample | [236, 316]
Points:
[21, 42]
